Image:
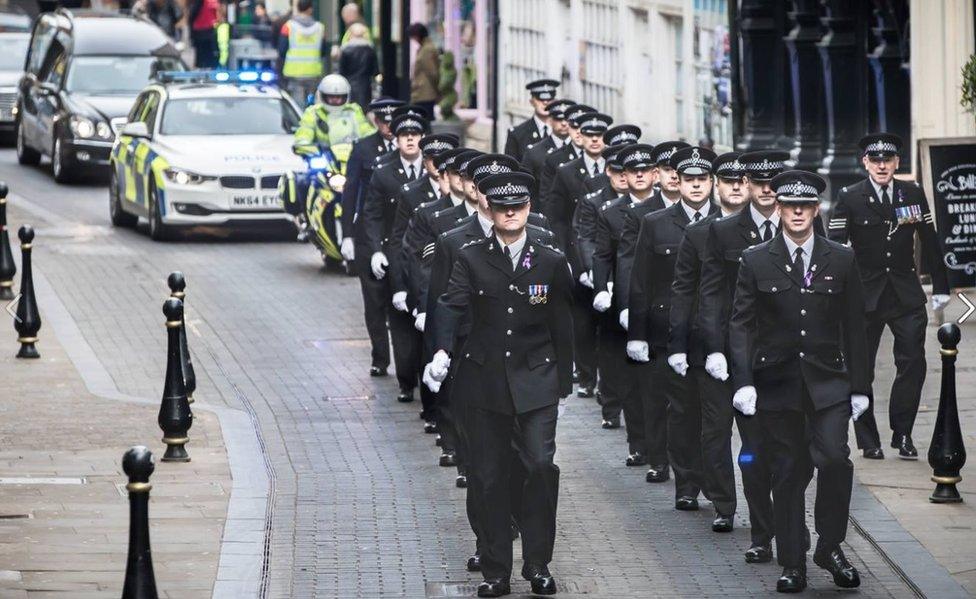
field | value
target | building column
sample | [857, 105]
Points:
[891, 108]
[762, 81]
[845, 87]
[806, 84]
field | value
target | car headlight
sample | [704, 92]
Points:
[182, 177]
[82, 126]
[103, 130]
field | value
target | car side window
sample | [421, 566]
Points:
[137, 107]
[151, 110]
[59, 65]
[40, 42]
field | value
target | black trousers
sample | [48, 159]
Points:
[656, 378]
[756, 478]
[491, 435]
[684, 417]
[585, 331]
[620, 385]
[407, 347]
[717, 474]
[376, 296]
[908, 329]
[796, 442]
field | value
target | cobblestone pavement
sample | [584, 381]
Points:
[360, 508]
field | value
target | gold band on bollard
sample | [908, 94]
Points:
[178, 294]
[173, 324]
[138, 487]
[946, 480]
[6, 283]
[948, 352]
[26, 339]
[181, 441]
[25, 246]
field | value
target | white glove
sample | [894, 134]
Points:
[638, 351]
[679, 363]
[625, 319]
[400, 301]
[432, 384]
[337, 182]
[717, 367]
[586, 280]
[348, 249]
[744, 400]
[439, 366]
[601, 301]
[939, 301]
[859, 404]
[379, 263]
[420, 322]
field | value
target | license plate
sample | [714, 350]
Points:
[255, 202]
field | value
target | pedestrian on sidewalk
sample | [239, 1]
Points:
[358, 64]
[204, 16]
[426, 77]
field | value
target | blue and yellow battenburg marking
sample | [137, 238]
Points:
[908, 214]
[136, 165]
[538, 294]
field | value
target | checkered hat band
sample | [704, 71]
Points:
[727, 167]
[765, 165]
[438, 146]
[593, 124]
[693, 162]
[409, 124]
[492, 169]
[623, 137]
[542, 88]
[797, 189]
[509, 189]
[881, 146]
[665, 155]
[638, 157]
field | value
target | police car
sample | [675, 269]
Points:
[203, 148]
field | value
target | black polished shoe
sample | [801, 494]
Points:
[906, 449]
[540, 578]
[405, 396]
[461, 481]
[835, 562]
[474, 563]
[873, 453]
[793, 580]
[438, 441]
[636, 459]
[722, 523]
[759, 554]
[448, 459]
[686, 504]
[585, 392]
[377, 371]
[430, 427]
[658, 474]
[611, 423]
[494, 587]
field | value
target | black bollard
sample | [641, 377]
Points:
[28, 321]
[175, 417]
[7, 267]
[140, 581]
[177, 287]
[947, 455]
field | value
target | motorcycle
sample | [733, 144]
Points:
[318, 211]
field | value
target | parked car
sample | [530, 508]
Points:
[15, 26]
[84, 70]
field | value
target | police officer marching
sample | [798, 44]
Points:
[799, 362]
[515, 365]
[881, 217]
[537, 128]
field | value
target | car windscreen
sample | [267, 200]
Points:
[228, 116]
[115, 74]
[13, 50]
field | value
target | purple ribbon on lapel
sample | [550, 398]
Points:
[808, 278]
[526, 260]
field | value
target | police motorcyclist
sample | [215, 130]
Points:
[333, 123]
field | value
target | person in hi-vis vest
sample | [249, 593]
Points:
[301, 50]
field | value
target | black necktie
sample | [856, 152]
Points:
[413, 172]
[767, 233]
[697, 217]
[885, 198]
[596, 169]
[545, 131]
[389, 146]
[798, 261]
[508, 255]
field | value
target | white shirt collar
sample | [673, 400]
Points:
[456, 200]
[634, 201]
[691, 212]
[807, 249]
[668, 202]
[417, 164]
[877, 188]
[589, 162]
[515, 247]
[539, 125]
[435, 187]
[485, 223]
[760, 220]
[470, 208]
[558, 142]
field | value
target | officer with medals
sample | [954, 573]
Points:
[534, 159]
[515, 365]
[651, 283]
[799, 362]
[881, 217]
[535, 129]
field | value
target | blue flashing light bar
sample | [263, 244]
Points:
[215, 76]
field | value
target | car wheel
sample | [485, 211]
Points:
[62, 172]
[158, 231]
[120, 218]
[25, 154]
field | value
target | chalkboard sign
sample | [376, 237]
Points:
[948, 174]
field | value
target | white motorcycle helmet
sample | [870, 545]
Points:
[333, 91]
